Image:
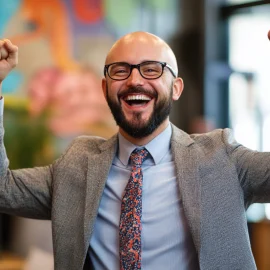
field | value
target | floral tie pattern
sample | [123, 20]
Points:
[131, 214]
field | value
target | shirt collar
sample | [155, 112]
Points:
[163, 141]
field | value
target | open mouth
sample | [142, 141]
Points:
[137, 100]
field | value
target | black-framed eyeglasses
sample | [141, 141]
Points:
[149, 70]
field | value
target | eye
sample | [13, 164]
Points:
[151, 69]
[118, 70]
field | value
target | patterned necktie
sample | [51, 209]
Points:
[131, 214]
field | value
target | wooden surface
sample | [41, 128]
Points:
[10, 262]
[260, 243]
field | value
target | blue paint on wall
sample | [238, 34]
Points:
[12, 82]
[7, 9]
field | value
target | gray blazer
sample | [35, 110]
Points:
[218, 179]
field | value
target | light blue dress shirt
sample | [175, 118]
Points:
[166, 239]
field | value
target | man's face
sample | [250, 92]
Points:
[139, 105]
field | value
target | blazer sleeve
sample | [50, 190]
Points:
[253, 169]
[24, 192]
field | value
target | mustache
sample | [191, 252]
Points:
[138, 90]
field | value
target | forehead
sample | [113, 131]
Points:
[135, 51]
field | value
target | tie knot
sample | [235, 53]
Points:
[138, 156]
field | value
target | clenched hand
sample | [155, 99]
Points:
[8, 58]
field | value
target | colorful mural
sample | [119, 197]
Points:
[62, 48]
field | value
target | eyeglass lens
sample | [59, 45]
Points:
[121, 71]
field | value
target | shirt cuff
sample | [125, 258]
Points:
[1, 106]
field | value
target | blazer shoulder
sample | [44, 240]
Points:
[88, 140]
[212, 138]
[216, 139]
[93, 143]
[82, 146]
[214, 135]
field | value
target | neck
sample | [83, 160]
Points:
[147, 139]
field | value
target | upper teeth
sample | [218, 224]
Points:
[137, 97]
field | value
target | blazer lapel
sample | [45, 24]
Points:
[187, 169]
[99, 165]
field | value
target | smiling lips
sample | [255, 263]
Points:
[137, 99]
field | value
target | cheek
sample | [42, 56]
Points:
[113, 89]
[163, 88]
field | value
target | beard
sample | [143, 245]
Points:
[138, 128]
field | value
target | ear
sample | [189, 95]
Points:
[178, 87]
[104, 86]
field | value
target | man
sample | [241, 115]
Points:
[151, 197]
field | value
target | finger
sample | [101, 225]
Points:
[269, 34]
[3, 53]
[3, 50]
[6, 48]
[2, 42]
[9, 46]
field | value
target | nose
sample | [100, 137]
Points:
[135, 78]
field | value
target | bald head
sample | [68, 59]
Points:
[137, 47]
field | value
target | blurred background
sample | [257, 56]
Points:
[55, 93]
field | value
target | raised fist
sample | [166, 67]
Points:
[8, 57]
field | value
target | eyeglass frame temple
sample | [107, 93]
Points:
[169, 68]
